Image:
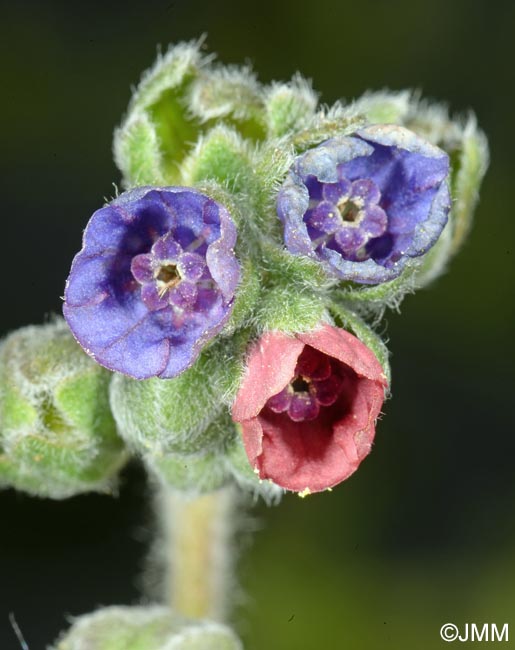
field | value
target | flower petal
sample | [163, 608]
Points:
[270, 368]
[303, 406]
[340, 344]
[141, 268]
[166, 249]
[325, 217]
[280, 402]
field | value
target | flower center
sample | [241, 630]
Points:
[300, 384]
[315, 385]
[350, 211]
[167, 277]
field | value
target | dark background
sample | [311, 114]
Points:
[424, 533]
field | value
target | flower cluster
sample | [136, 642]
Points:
[233, 268]
[228, 290]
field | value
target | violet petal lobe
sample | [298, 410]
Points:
[395, 208]
[154, 282]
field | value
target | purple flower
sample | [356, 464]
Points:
[365, 204]
[154, 281]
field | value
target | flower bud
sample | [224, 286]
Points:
[221, 155]
[292, 298]
[57, 435]
[174, 416]
[145, 628]
[384, 107]
[204, 470]
[231, 93]
[158, 129]
[289, 106]
[194, 474]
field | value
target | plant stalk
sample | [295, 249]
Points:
[198, 550]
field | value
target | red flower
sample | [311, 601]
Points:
[308, 405]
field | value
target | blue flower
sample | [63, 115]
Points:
[154, 281]
[365, 204]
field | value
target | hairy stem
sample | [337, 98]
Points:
[197, 538]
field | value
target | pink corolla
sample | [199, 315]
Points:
[308, 405]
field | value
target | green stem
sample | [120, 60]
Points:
[197, 538]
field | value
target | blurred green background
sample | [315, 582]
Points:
[424, 533]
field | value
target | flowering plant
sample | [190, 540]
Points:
[226, 306]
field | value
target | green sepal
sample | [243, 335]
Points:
[223, 156]
[293, 291]
[203, 471]
[158, 129]
[246, 298]
[191, 473]
[467, 147]
[245, 476]
[57, 434]
[327, 124]
[435, 261]
[283, 309]
[289, 107]
[353, 323]
[145, 628]
[384, 107]
[374, 299]
[137, 151]
[271, 164]
[471, 168]
[173, 415]
[170, 70]
[230, 94]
